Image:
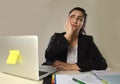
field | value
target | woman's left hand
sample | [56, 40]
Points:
[65, 66]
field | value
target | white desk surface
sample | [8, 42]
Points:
[6, 78]
[10, 79]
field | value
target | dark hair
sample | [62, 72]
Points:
[82, 31]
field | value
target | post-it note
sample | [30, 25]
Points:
[14, 57]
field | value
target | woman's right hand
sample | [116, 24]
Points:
[68, 29]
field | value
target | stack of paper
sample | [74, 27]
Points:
[86, 78]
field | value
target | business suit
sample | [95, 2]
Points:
[89, 57]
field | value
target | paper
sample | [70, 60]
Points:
[14, 57]
[67, 78]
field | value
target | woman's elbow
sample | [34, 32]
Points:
[103, 66]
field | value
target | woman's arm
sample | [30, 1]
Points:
[57, 44]
[65, 66]
[95, 60]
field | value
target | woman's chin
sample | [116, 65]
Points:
[74, 29]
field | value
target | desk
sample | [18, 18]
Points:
[6, 79]
[112, 76]
[112, 79]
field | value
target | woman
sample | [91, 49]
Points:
[73, 49]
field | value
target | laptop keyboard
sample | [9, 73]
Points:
[42, 73]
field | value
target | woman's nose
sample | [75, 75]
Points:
[75, 20]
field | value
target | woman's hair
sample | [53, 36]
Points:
[82, 31]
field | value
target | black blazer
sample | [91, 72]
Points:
[89, 57]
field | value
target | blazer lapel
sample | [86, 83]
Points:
[82, 48]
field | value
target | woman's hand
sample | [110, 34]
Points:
[68, 29]
[65, 66]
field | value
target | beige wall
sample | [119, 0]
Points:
[44, 17]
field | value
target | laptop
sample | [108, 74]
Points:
[19, 57]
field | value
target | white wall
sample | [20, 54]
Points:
[44, 17]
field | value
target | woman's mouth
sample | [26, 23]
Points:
[74, 25]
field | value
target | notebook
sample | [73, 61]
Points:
[19, 57]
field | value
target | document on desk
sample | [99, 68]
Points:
[86, 78]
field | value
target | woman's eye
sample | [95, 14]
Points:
[71, 16]
[77, 18]
[80, 19]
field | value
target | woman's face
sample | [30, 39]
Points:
[76, 20]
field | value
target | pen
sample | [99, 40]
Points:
[102, 80]
[78, 81]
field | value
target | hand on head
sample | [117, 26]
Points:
[68, 27]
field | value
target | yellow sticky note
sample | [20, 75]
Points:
[14, 56]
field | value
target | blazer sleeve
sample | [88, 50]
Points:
[94, 60]
[57, 44]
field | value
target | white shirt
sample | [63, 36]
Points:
[72, 55]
